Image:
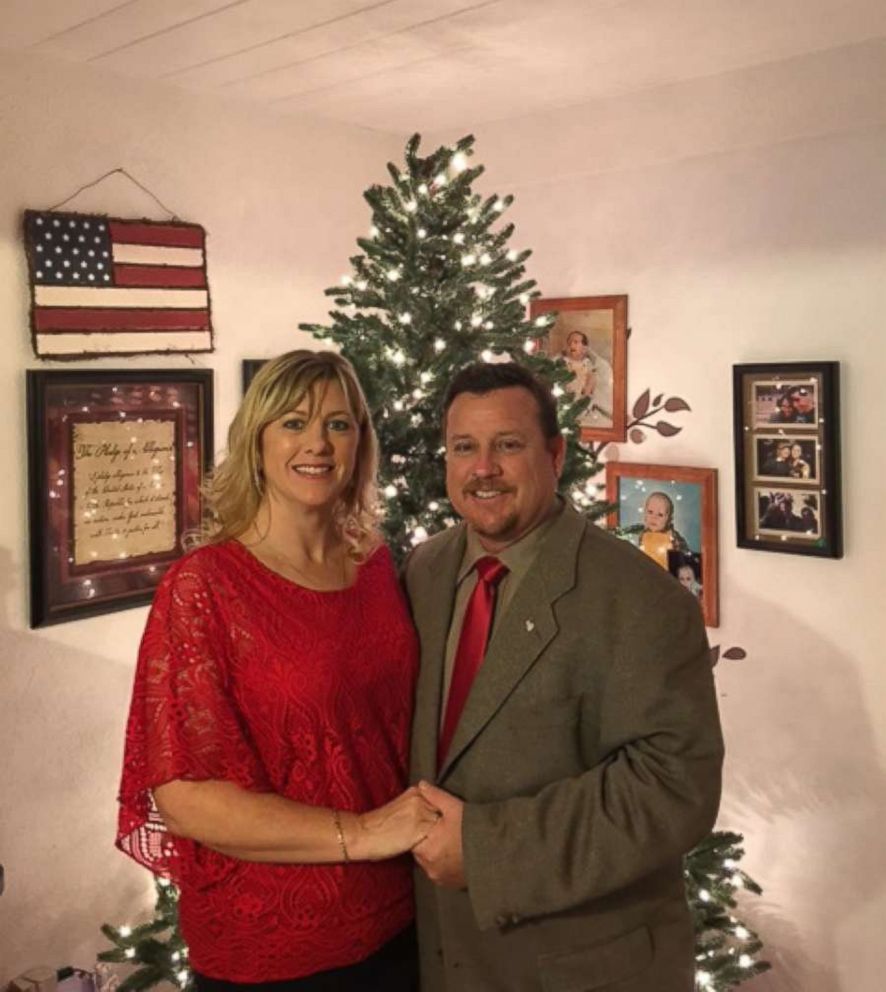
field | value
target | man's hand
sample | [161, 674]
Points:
[440, 853]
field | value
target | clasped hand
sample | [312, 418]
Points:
[423, 819]
[440, 853]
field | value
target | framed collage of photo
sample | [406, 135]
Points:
[590, 336]
[116, 463]
[787, 458]
[670, 513]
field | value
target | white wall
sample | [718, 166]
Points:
[745, 216]
[281, 203]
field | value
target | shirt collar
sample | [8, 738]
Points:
[517, 556]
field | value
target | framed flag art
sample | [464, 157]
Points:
[107, 286]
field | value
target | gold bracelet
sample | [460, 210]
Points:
[336, 819]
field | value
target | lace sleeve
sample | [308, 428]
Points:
[183, 724]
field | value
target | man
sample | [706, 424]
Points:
[781, 464]
[803, 402]
[582, 759]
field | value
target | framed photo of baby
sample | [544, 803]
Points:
[670, 513]
[787, 457]
[590, 337]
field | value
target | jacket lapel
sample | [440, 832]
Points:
[433, 601]
[523, 633]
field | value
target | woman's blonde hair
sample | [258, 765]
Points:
[236, 488]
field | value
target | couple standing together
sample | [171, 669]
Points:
[554, 684]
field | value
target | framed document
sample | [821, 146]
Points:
[787, 457]
[116, 460]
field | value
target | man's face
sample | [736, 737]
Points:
[784, 452]
[501, 471]
[802, 400]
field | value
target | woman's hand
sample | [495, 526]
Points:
[391, 829]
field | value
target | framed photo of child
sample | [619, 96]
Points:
[670, 513]
[590, 337]
[787, 457]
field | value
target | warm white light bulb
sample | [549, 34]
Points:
[398, 358]
[426, 377]
[125, 931]
[529, 346]
[390, 491]
[130, 952]
[512, 256]
[476, 320]
[498, 206]
[487, 355]
[488, 325]
[557, 390]
[458, 238]
[346, 280]
[421, 232]
[541, 321]
[459, 162]
[704, 895]
[373, 231]
[405, 318]
[439, 344]
[393, 274]
[485, 259]
[397, 404]
[745, 960]
[362, 284]
[423, 189]
[440, 179]
[411, 206]
[468, 259]
[741, 933]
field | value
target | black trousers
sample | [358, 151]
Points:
[393, 968]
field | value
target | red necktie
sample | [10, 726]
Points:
[471, 646]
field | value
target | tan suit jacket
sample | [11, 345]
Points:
[588, 755]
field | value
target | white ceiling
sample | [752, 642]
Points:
[405, 65]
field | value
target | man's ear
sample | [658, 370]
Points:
[557, 448]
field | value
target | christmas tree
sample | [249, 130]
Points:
[156, 948]
[435, 287]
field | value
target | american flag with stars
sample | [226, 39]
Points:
[106, 286]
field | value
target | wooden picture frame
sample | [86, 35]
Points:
[590, 334]
[680, 503]
[787, 457]
[248, 369]
[116, 461]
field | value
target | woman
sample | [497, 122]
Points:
[266, 751]
[799, 467]
[784, 412]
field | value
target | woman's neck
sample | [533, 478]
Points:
[303, 546]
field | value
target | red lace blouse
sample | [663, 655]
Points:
[245, 676]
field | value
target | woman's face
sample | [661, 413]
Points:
[685, 576]
[656, 514]
[786, 407]
[575, 345]
[310, 460]
[796, 451]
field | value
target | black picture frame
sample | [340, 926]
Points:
[249, 368]
[786, 418]
[98, 478]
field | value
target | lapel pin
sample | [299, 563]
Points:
[530, 626]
